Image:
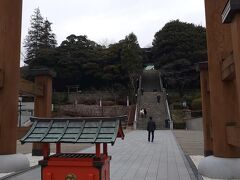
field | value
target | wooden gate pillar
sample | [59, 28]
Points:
[10, 33]
[206, 109]
[222, 84]
[235, 30]
[231, 15]
[42, 104]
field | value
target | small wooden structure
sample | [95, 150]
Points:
[92, 166]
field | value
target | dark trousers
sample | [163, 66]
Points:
[149, 134]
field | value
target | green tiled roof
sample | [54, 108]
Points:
[74, 130]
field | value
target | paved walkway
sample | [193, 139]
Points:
[191, 142]
[137, 159]
[134, 158]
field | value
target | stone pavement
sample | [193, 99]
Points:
[137, 159]
[134, 158]
[191, 142]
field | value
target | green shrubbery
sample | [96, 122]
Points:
[177, 115]
[59, 98]
[179, 125]
[196, 104]
[193, 101]
[197, 108]
[177, 105]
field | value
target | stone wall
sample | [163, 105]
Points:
[94, 98]
[94, 110]
[194, 124]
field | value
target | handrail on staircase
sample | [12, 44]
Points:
[138, 102]
[160, 80]
[169, 113]
[166, 102]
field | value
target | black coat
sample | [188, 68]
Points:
[151, 126]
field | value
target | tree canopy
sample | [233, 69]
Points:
[177, 47]
[131, 57]
[81, 61]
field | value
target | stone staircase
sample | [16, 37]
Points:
[151, 86]
[154, 109]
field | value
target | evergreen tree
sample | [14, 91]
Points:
[40, 37]
[32, 41]
[48, 38]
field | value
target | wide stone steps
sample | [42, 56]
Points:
[150, 83]
[154, 109]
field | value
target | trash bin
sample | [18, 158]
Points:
[167, 123]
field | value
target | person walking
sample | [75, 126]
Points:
[145, 112]
[151, 127]
[158, 98]
[142, 113]
[142, 91]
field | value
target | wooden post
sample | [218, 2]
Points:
[45, 150]
[10, 33]
[235, 27]
[223, 99]
[231, 16]
[42, 104]
[58, 148]
[98, 150]
[105, 148]
[205, 94]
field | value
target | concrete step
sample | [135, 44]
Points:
[154, 109]
[148, 100]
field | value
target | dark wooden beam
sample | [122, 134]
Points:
[28, 87]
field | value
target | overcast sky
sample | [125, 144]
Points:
[112, 20]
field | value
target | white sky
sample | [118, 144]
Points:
[112, 20]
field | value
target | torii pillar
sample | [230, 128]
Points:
[222, 117]
[10, 38]
[43, 104]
